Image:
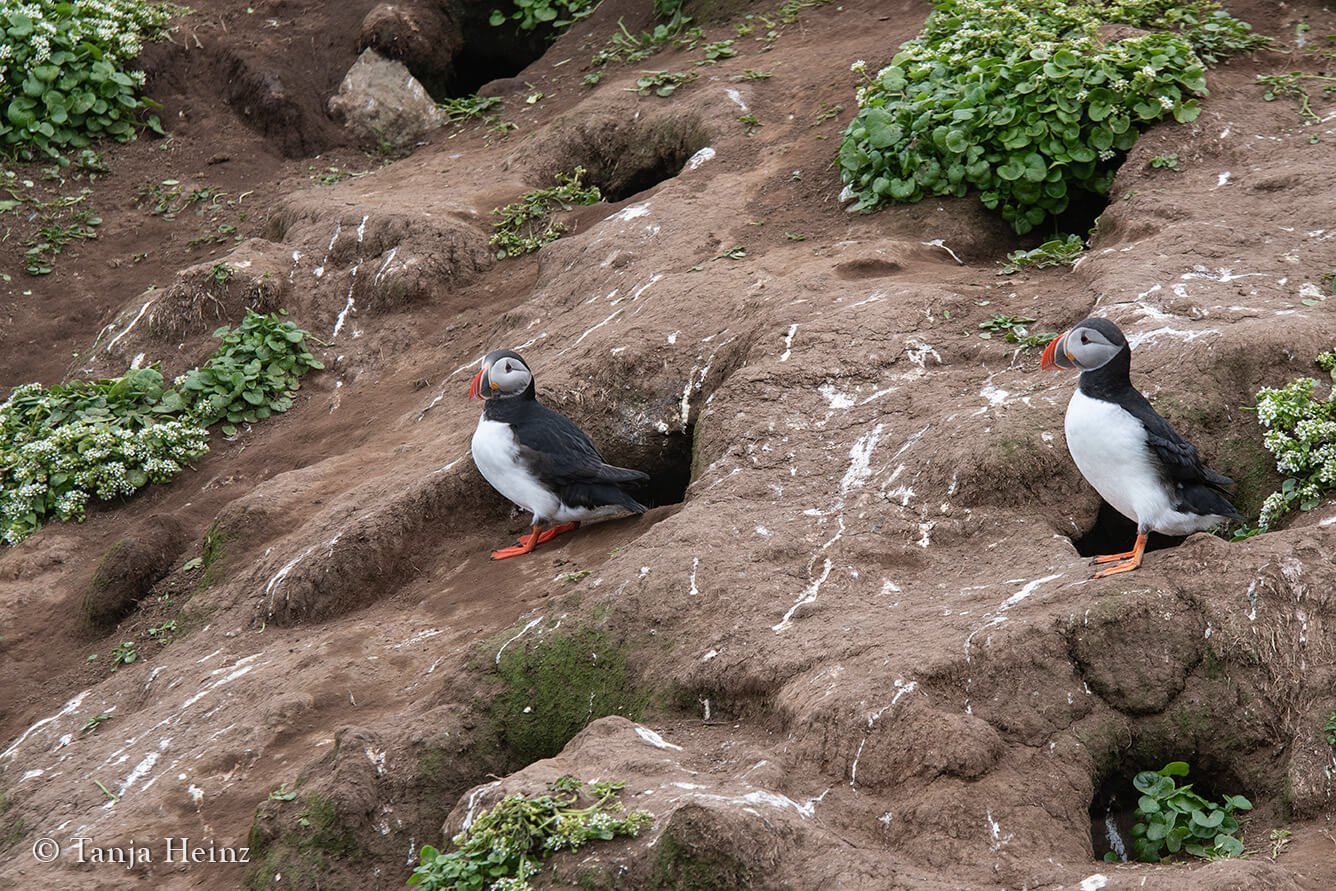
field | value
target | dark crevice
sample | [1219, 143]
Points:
[670, 471]
[1114, 533]
[618, 180]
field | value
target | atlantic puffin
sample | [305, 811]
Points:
[1134, 459]
[539, 458]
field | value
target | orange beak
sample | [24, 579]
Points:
[1050, 354]
[477, 380]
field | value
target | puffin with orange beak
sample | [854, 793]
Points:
[1134, 459]
[539, 458]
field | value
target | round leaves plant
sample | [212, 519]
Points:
[1172, 818]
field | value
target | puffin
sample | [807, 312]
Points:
[539, 459]
[1134, 459]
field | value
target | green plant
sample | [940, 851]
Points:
[1168, 162]
[463, 108]
[660, 82]
[124, 654]
[1301, 434]
[752, 74]
[1015, 330]
[555, 14]
[1173, 818]
[95, 722]
[220, 273]
[1330, 729]
[283, 793]
[60, 447]
[163, 633]
[828, 112]
[503, 846]
[252, 374]
[736, 252]
[573, 577]
[527, 224]
[1060, 251]
[52, 238]
[749, 123]
[1279, 839]
[63, 77]
[1026, 101]
[1291, 84]
[722, 49]
[627, 47]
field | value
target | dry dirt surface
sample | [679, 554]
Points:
[855, 618]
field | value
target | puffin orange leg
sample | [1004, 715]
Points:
[557, 530]
[1135, 554]
[523, 546]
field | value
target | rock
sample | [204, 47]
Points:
[380, 100]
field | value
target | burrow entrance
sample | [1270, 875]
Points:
[624, 157]
[670, 470]
[1114, 533]
[1112, 811]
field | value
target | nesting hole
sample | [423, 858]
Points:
[669, 470]
[1114, 533]
[622, 157]
[490, 53]
[1112, 811]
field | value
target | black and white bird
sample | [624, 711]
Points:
[1134, 459]
[539, 458]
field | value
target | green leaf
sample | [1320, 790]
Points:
[1174, 769]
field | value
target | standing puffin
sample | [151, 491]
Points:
[1130, 454]
[538, 458]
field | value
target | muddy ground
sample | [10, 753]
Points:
[857, 617]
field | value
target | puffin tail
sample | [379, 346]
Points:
[606, 473]
[1207, 501]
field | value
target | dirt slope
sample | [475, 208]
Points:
[855, 617]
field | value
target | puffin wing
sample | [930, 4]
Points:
[1200, 488]
[560, 454]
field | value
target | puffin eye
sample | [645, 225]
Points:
[1085, 339]
[507, 367]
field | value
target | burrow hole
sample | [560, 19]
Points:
[669, 470]
[1114, 533]
[624, 158]
[1112, 811]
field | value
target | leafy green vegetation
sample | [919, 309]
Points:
[1167, 162]
[61, 446]
[661, 83]
[1026, 101]
[468, 107]
[63, 77]
[124, 654]
[1172, 818]
[1292, 83]
[527, 224]
[251, 375]
[94, 722]
[1301, 434]
[1329, 729]
[1014, 330]
[503, 846]
[532, 14]
[1060, 251]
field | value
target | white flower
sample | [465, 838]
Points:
[859, 66]
[1166, 103]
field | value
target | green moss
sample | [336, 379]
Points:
[430, 765]
[16, 829]
[684, 867]
[214, 550]
[307, 853]
[554, 687]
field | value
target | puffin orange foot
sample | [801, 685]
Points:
[1131, 559]
[522, 546]
[552, 533]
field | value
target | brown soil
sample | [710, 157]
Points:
[865, 623]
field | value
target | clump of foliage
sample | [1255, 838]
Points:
[251, 375]
[532, 14]
[64, 445]
[1173, 818]
[1014, 329]
[527, 224]
[1060, 251]
[661, 83]
[502, 848]
[1292, 83]
[471, 106]
[1026, 100]
[63, 77]
[1301, 433]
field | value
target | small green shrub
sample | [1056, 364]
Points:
[1173, 818]
[1015, 331]
[1060, 251]
[252, 375]
[532, 14]
[502, 847]
[527, 224]
[661, 83]
[63, 77]
[61, 447]
[1026, 100]
[124, 654]
[1301, 433]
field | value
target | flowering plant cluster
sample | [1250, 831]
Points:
[1026, 100]
[500, 850]
[63, 71]
[62, 446]
[1301, 433]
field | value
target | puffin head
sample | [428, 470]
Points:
[503, 373]
[1090, 344]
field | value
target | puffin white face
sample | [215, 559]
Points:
[503, 373]
[1089, 345]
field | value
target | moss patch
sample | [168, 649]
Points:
[308, 851]
[554, 687]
